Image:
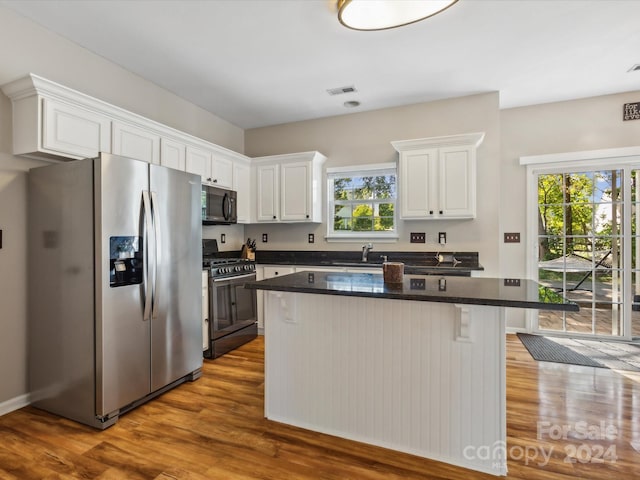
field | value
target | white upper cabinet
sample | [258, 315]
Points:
[221, 171]
[198, 161]
[457, 182]
[437, 177]
[242, 185]
[72, 130]
[295, 191]
[268, 193]
[289, 187]
[135, 142]
[172, 154]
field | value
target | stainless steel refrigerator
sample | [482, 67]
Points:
[114, 285]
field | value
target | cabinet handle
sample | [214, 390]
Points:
[440, 212]
[209, 179]
[274, 217]
[307, 216]
[430, 212]
[215, 180]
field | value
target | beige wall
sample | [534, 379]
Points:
[364, 138]
[26, 48]
[587, 124]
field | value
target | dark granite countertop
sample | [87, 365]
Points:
[417, 263]
[465, 290]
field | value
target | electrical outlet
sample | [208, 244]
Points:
[417, 237]
[512, 237]
[442, 238]
[223, 238]
[312, 238]
[265, 238]
[511, 282]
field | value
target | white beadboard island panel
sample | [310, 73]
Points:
[393, 373]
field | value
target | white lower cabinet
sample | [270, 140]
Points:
[270, 271]
[263, 273]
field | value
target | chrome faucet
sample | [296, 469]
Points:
[365, 251]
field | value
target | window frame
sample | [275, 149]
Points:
[332, 235]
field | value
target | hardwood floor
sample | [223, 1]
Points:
[214, 429]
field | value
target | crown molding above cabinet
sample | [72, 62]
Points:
[55, 123]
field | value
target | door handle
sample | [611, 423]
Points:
[146, 244]
[156, 248]
[225, 207]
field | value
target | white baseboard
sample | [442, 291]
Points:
[14, 404]
[517, 330]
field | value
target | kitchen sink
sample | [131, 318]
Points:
[356, 264]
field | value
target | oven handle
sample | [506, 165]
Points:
[239, 277]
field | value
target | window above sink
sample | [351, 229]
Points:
[362, 202]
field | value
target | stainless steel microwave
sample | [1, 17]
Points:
[218, 206]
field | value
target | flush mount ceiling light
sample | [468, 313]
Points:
[384, 14]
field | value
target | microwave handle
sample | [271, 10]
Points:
[225, 211]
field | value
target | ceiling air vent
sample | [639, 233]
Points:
[635, 68]
[341, 90]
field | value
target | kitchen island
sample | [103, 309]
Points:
[417, 367]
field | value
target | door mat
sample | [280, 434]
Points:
[589, 353]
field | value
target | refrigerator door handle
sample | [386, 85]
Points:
[146, 203]
[156, 235]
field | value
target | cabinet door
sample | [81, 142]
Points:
[268, 193]
[457, 197]
[205, 310]
[172, 154]
[312, 268]
[134, 142]
[199, 162]
[295, 198]
[74, 131]
[277, 271]
[417, 183]
[222, 172]
[242, 185]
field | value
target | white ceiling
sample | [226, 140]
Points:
[265, 62]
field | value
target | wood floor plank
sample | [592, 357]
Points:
[214, 428]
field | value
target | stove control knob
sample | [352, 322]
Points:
[219, 270]
[237, 269]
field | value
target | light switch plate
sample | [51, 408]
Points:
[223, 238]
[417, 237]
[513, 237]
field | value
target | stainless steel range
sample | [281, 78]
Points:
[232, 308]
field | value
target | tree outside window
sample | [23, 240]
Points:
[362, 202]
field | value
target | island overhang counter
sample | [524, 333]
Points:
[418, 367]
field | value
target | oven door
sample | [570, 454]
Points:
[233, 307]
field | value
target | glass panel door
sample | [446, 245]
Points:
[580, 235]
